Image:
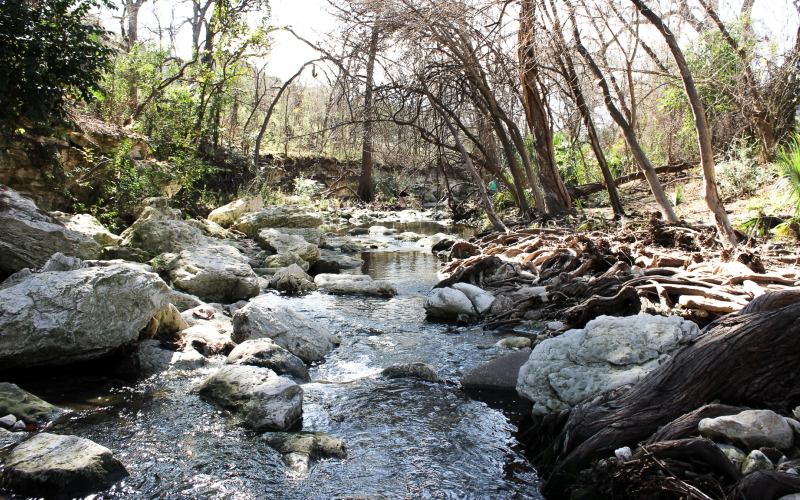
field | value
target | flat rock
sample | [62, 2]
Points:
[214, 273]
[226, 215]
[749, 429]
[300, 448]
[24, 406]
[409, 236]
[607, 353]
[498, 374]
[312, 235]
[276, 241]
[276, 216]
[266, 317]
[29, 236]
[263, 400]
[382, 230]
[48, 465]
[448, 303]
[63, 317]
[354, 284]
[267, 354]
[422, 371]
[515, 342]
[342, 261]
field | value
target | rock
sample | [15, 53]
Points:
[267, 354]
[8, 421]
[207, 341]
[88, 226]
[183, 301]
[462, 320]
[211, 316]
[160, 203]
[310, 234]
[498, 374]
[795, 425]
[442, 245]
[448, 303]
[421, 371]
[7, 438]
[275, 241]
[268, 318]
[623, 454]
[48, 465]
[168, 236]
[607, 353]
[157, 212]
[756, 461]
[63, 317]
[299, 448]
[733, 453]
[515, 342]
[210, 229]
[330, 257]
[358, 231]
[282, 260]
[482, 301]
[292, 280]
[151, 358]
[352, 247]
[124, 253]
[263, 400]
[19, 426]
[226, 215]
[24, 407]
[353, 284]
[60, 262]
[214, 273]
[276, 216]
[381, 230]
[555, 325]
[29, 236]
[16, 278]
[429, 241]
[409, 236]
[749, 429]
[170, 320]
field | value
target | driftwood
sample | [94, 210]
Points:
[585, 190]
[765, 486]
[752, 360]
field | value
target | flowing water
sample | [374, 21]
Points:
[405, 438]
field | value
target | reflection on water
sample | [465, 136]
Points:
[405, 438]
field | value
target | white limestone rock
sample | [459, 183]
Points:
[481, 300]
[164, 236]
[354, 284]
[756, 461]
[279, 242]
[607, 353]
[214, 273]
[226, 215]
[448, 303]
[88, 225]
[292, 280]
[276, 216]
[749, 429]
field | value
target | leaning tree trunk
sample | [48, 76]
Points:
[701, 126]
[365, 190]
[630, 135]
[751, 360]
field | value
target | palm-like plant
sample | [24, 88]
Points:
[789, 163]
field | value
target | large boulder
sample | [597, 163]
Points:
[29, 236]
[292, 280]
[448, 303]
[310, 234]
[354, 284]
[278, 242]
[295, 332]
[210, 316]
[210, 229]
[214, 273]
[497, 375]
[87, 225]
[25, 406]
[57, 318]
[159, 211]
[607, 353]
[226, 215]
[263, 400]
[276, 216]
[164, 236]
[749, 429]
[52, 466]
[267, 354]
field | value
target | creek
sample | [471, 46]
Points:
[405, 438]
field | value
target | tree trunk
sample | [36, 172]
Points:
[751, 360]
[365, 190]
[701, 125]
[627, 131]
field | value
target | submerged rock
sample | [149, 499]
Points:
[607, 353]
[63, 317]
[263, 400]
[749, 429]
[295, 332]
[422, 371]
[24, 406]
[29, 236]
[498, 374]
[292, 280]
[300, 448]
[48, 465]
[226, 215]
[448, 303]
[276, 216]
[214, 273]
[354, 284]
[267, 354]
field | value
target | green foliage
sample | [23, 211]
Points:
[677, 196]
[739, 174]
[789, 164]
[49, 52]
[570, 156]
